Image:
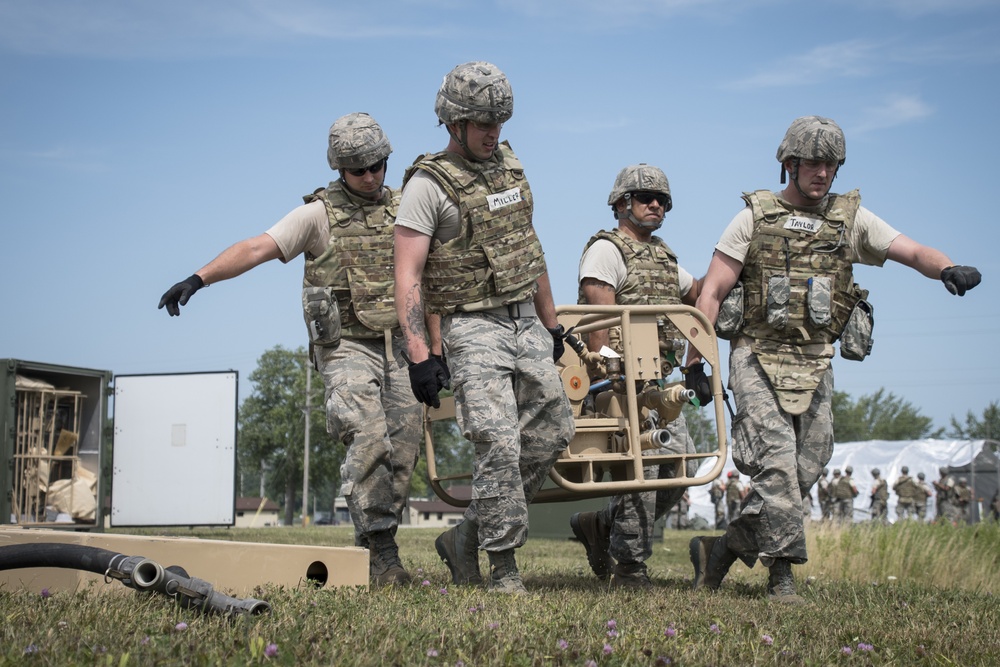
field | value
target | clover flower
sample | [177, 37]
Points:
[608, 649]
[767, 639]
[715, 628]
[562, 644]
[270, 650]
[432, 653]
[181, 627]
[846, 650]
[671, 631]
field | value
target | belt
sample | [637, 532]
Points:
[513, 310]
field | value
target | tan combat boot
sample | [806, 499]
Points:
[504, 577]
[711, 559]
[458, 547]
[781, 583]
[631, 575]
[384, 565]
[590, 529]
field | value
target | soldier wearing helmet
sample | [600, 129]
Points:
[824, 496]
[923, 495]
[906, 495]
[781, 286]
[344, 230]
[879, 497]
[963, 500]
[466, 250]
[628, 265]
[944, 490]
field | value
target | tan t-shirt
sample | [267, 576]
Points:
[304, 229]
[603, 261]
[869, 239]
[427, 209]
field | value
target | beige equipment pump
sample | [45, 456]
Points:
[613, 425]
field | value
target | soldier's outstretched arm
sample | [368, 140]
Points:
[723, 272]
[934, 264]
[231, 262]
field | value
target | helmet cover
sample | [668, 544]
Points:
[356, 141]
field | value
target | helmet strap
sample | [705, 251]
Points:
[462, 139]
[645, 226]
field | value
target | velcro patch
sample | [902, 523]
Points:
[502, 199]
[800, 224]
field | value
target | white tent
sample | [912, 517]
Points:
[925, 456]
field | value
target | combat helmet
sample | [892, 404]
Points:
[356, 141]
[812, 138]
[640, 178]
[920, 475]
[836, 471]
[876, 472]
[849, 470]
[476, 91]
[826, 471]
[904, 470]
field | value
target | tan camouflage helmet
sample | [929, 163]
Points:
[356, 141]
[812, 138]
[476, 91]
[640, 178]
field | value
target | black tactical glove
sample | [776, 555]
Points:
[427, 378]
[696, 380]
[444, 365]
[960, 279]
[180, 293]
[558, 344]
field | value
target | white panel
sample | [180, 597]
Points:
[174, 454]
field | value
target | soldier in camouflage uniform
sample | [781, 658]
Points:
[466, 250]
[345, 232]
[963, 500]
[631, 266]
[735, 493]
[717, 494]
[844, 492]
[923, 495]
[823, 496]
[793, 253]
[944, 490]
[879, 497]
[906, 494]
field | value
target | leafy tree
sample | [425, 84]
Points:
[701, 428]
[987, 428]
[272, 430]
[880, 416]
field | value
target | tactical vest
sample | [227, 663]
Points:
[842, 489]
[905, 489]
[358, 262]
[880, 490]
[652, 278]
[799, 290]
[798, 280]
[496, 253]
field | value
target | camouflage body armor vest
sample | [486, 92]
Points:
[880, 490]
[497, 253]
[652, 278]
[906, 489]
[358, 263]
[842, 489]
[733, 491]
[799, 290]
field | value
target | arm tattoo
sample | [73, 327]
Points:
[414, 328]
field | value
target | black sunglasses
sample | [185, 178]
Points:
[649, 197]
[374, 169]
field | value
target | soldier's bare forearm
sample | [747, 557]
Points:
[413, 325]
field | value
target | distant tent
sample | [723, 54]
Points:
[925, 456]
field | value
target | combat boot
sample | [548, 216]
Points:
[590, 529]
[504, 577]
[384, 566]
[711, 559]
[458, 547]
[781, 583]
[631, 575]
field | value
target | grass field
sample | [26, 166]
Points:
[900, 595]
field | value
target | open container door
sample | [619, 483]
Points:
[174, 450]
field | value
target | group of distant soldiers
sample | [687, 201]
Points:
[727, 495]
[836, 496]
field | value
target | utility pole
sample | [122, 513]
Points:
[305, 454]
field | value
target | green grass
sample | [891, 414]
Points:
[918, 594]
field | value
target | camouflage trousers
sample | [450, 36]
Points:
[843, 509]
[921, 510]
[905, 509]
[632, 515]
[371, 409]
[511, 405]
[720, 514]
[879, 511]
[784, 456]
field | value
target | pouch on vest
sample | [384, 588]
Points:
[730, 319]
[856, 341]
[322, 315]
[820, 300]
[779, 290]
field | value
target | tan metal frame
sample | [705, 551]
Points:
[610, 445]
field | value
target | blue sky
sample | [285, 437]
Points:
[139, 139]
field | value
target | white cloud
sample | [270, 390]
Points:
[895, 110]
[849, 59]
